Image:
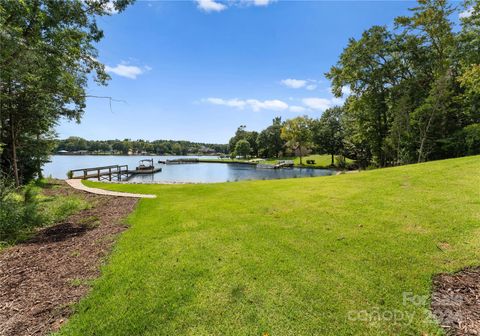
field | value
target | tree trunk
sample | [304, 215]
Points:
[423, 139]
[39, 163]
[333, 159]
[13, 139]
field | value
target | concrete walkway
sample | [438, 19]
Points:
[77, 184]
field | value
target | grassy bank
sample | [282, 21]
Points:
[321, 161]
[338, 255]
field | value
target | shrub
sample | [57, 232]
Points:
[472, 139]
[11, 209]
[340, 161]
[63, 208]
[18, 210]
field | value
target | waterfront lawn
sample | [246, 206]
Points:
[321, 161]
[337, 255]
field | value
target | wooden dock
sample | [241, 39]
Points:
[109, 173]
[281, 164]
[179, 161]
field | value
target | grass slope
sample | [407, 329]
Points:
[313, 256]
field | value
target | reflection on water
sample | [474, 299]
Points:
[194, 172]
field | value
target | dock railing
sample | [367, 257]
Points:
[105, 172]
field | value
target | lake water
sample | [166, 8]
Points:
[194, 172]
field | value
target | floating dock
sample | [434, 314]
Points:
[179, 161]
[281, 164]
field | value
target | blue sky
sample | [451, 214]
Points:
[191, 70]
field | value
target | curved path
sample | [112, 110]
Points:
[77, 184]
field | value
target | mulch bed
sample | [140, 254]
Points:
[41, 278]
[456, 301]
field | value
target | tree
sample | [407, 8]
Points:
[269, 141]
[366, 66]
[431, 24]
[48, 51]
[120, 147]
[242, 148]
[298, 135]
[243, 134]
[251, 137]
[412, 89]
[240, 134]
[328, 132]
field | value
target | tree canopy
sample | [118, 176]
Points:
[47, 55]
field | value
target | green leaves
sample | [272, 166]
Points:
[48, 53]
[405, 87]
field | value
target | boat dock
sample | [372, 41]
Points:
[109, 173]
[280, 164]
[179, 161]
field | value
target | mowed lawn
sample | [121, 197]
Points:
[338, 255]
[321, 160]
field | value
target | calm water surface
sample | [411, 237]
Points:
[194, 172]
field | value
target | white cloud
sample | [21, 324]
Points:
[321, 104]
[466, 13]
[309, 84]
[128, 71]
[262, 2]
[227, 102]
[302, 106]
[274, 105]
[218, 6]
[210, 5]
[255, 104]
[294, 83]
[297, 109]
[346, 90]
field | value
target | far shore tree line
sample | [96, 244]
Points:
[414, 94]
[78, 145]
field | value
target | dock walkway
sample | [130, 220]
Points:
[77, 184]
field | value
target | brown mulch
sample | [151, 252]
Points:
[41, 278]
[456, 301]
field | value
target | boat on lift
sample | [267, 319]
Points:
[146, 166]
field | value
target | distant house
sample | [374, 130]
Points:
[63, 151]
[206, 150]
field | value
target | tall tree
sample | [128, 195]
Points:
[269, 141]
[431, 25]
[298, 135]
[328, 132]
[242, 148]
[48, 51]
[367, 68]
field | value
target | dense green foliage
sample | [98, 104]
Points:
[242, 148]
[22, 209]
[288, 257]
[297, 133]
[47, 53]
[413, 94]
[161, 147]
[269, 141]
[414, 89]
[328, 133]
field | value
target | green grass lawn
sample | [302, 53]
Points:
[321, 160]
[313, 256]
